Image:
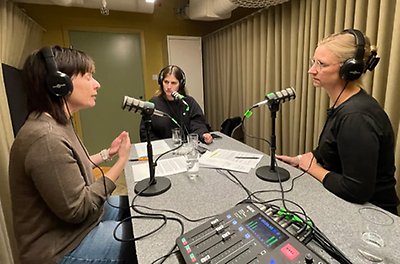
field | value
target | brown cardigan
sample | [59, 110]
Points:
[55, 200]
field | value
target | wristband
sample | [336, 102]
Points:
[105, 155]
[299, 158]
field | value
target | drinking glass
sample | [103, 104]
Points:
[373, 233]
[176, 136]
[192, 156]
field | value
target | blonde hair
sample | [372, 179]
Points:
[343, 46]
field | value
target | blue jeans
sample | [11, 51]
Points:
[99, 246]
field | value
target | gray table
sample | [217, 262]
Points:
[213, 193]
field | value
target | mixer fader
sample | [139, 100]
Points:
[245, 234]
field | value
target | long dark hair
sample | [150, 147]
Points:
[39, 99]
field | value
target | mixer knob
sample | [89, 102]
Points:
[309, 259]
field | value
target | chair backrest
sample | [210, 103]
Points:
[233, 128]
[16, 96]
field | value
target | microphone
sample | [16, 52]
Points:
[133, 105]
[288, 93]
[180, 97]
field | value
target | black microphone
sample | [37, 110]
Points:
[180, 97]
[131, 104]
[280, 96]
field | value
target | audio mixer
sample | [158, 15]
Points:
[245, 234]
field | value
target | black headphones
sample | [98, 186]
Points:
[353, 68]
[169, 68]
[58, 83]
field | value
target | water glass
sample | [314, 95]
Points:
[176, 136]
[193, 139]
[192, 163]
[373, 233]
[192, 156]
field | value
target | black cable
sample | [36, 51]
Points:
[177, 213]
[237, 180]
[251, 136]
[147, 215]
[286, 191]
[85, 151]
[166, 255]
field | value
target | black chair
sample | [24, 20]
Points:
[233, 128]
[16, 96]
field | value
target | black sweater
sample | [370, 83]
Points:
[357, 147]
[191, 120]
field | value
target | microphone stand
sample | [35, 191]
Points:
[182, 122]
[273, 173]
[151, 186]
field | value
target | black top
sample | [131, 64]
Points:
[357, 147]
[191, 120]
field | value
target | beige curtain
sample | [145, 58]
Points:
[19, 35]
[270, 50]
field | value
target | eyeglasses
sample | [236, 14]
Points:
[320, 65]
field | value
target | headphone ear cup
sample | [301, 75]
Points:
[160, 78]
[351, 70]
[59, 84]
[182, 82]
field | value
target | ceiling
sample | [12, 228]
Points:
[138, 6]
[205, 10]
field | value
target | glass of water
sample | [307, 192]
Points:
[373, 233]
[176, 136]
[192, 156]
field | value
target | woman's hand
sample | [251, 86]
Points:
[116, 144]
[122, 145]
[207, 137]
[303, 161]
[306, 162]
[294, 161]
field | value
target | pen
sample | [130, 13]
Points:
[246, 157]
[139, 159]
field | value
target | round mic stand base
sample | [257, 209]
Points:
[266, 173]
[160, 185]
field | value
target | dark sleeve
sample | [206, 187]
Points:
[358, 148]
[198, 123]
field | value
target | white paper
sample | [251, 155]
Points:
[230, 160]
[159, 147]
[164, 167]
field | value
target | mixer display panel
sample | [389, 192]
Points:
[264, 230]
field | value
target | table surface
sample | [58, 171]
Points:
[213, 193]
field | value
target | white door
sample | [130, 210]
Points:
[186, 53]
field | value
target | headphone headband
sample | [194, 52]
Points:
[48, 55]
[360, 43]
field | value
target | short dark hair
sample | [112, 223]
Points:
[39, 99]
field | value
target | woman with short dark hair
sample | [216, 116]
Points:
[61, 213]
